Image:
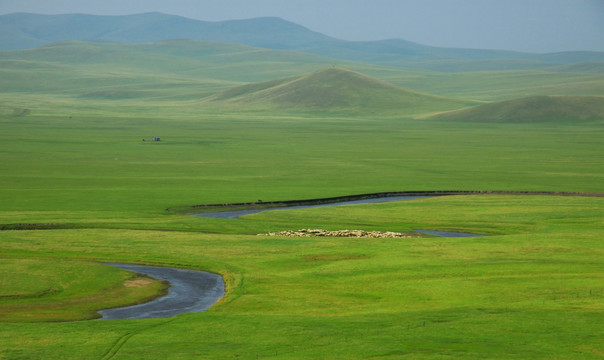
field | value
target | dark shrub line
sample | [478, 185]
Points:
[285, 203]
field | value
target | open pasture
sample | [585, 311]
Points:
[531, 289]
[79, 186]
[98, 164]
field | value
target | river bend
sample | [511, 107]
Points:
[190, 291]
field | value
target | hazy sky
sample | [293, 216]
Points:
[524, 25]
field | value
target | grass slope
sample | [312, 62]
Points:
[166, 63]
[179, 70]
[501, 85]
[533, 109]
[339, 90]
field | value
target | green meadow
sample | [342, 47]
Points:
[79, 186]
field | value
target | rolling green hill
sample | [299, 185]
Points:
[533, 109]
[189, 57]
[337, 89]
[174, 69]
[187, 70]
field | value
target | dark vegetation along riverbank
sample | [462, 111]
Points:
[372, 197]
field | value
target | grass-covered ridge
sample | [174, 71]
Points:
[166, 70]
[184, 70]
[338, 89]
[533, 109]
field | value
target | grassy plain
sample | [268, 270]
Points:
[531, 290]
[73, 165]
[99, 162]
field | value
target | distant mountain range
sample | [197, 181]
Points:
[22, 31]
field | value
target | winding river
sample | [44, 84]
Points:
[190, 291]
[197, 291]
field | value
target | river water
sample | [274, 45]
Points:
[190, 291]
[448, 233]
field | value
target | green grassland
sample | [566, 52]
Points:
[533, 289]
[78, 186]
[42, 290]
